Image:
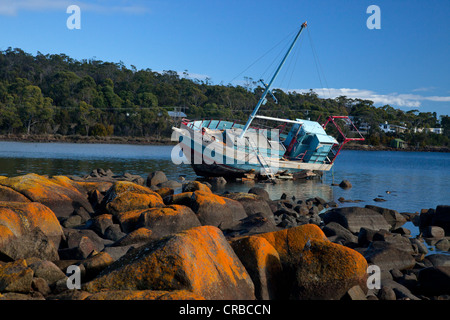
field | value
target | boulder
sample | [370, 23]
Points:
[434, 232]
[345, 184]
[15, 277]
[216, 211]
[262, 262]
[32, 244]
[126, 196]
[100, 223]
[47, 270]
[195, 186]
[393, 217]
[141, 235]
[260, 192]
[355, 218]
[289, 243]
[326, 271]
[172, 184]
[8, 194]
[20, 218]
[387, 257]
[252, 204]
[155, 178]
[62, 199]
[253, 224]
[96, 263]
[199, 260]
[168, 220]
[339, 233]
[439, 260]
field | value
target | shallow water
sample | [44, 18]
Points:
[414, 180]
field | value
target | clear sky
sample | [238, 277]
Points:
[406, 63]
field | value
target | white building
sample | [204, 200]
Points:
[392, 128]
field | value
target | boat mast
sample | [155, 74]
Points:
[260, 102]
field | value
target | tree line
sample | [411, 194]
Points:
[55, 94]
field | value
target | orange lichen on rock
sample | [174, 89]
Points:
[136, 236]
[196, 186]
[128, 220]
[82, 186]
[262, 262]
[62, 199]
[16, 277]
[290, 243]
[215, 210]
[8, 194]
[182, 198]
[327, 270]
[126, 196]
[199, 260]
[164, 192]
[21, 217]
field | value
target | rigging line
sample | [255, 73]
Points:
[318, 65]
[277, 58]
[297, 57]
[257, 60]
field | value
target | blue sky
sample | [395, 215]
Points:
[406, 63]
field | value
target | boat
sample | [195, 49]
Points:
[220, 148]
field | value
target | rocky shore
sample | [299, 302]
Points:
[137, 239]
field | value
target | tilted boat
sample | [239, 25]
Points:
[217, 148]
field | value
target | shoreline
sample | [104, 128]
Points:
[167, 141]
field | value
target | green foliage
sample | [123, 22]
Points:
[59, 95]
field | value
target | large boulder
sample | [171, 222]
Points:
[20, 219]
[168, 220]
[126, 196]
[199, 260]
[195, 186]
[155, 178]
[62, 199]
[314, 267]
[16, 277]
[326, 271]
[262, 262]
[252, 204]
[386, 256]
[393, 217]
[355, 218]
[8, 194]
[32, 244]
[216, 211]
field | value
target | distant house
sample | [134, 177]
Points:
[436, 130]
[362, 126]
[429, 130]
[392, 128]
[398, 144]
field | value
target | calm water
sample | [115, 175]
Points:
[415, 180]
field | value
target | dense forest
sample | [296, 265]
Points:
[57, 95]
